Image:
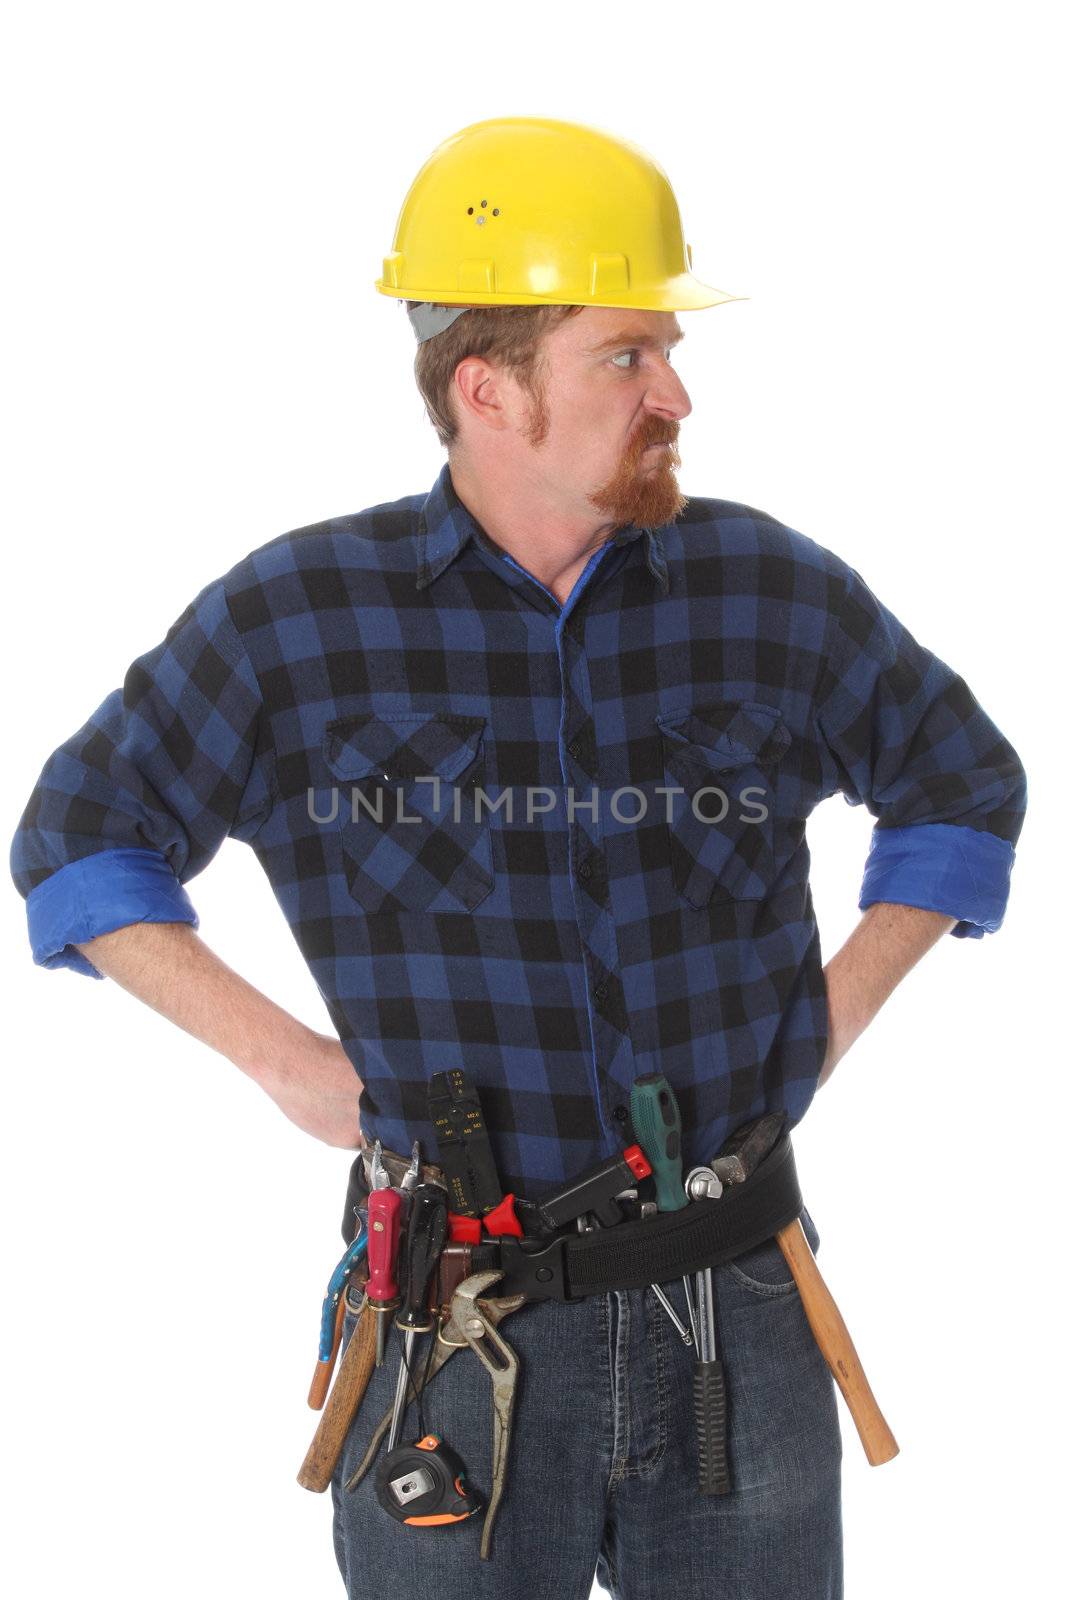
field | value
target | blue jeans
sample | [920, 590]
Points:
[602, 1475]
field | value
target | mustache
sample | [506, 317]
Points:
[656, 430]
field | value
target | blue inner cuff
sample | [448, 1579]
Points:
[939, 866]
[96, 895]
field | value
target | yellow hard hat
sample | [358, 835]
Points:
[532, 211]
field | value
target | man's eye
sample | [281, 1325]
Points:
[630, 355]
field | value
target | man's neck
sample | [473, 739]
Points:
[534, 529]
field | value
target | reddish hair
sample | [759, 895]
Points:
[510, 336]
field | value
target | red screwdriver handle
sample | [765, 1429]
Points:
[385, 1217]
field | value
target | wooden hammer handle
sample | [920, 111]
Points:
[835, 1342]
[350, 1385]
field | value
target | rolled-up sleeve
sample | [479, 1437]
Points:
[901, 733]
[139, 800]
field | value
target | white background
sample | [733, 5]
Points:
[198, 199]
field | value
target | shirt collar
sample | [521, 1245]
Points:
[445, 526]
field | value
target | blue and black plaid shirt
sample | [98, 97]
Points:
[556, 846]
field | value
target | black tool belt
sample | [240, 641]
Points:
[631, 1255]
[705, 1233]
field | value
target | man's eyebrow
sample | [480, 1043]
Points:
[635, 339]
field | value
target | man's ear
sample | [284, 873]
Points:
[484, 393]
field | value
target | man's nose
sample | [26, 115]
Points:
[667, 395]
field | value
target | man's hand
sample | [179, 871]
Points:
[886, 943]
[170, 968]
[318, 1090]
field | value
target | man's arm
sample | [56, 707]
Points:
[169, 967]
[133, 806]
[884, 946]
[901, 733]
[138, 801]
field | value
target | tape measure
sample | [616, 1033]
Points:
[423, 1484]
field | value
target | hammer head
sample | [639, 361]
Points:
[746, 1147]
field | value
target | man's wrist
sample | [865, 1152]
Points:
[886, 943]
[850, 1006]
[279, 1052]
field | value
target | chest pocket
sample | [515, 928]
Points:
[726, 841]
[411, 835]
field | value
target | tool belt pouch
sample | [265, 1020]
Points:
[358, 1187]
[632, 1255]
[356, 1197]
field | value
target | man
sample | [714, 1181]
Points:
[650, 694]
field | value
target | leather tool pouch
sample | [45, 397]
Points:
[359, 1187]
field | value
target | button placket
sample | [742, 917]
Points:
[613, 1051]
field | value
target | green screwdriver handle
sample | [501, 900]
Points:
[658, 1130]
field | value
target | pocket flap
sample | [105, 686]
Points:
[405, 745]
[727, 734]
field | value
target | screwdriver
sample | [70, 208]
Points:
[709, 1389]
[426, 1238]
[658, 1129]
[408, 1185]
[385, 1216]
[658, 1125]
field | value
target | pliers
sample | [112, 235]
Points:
[502, 1364]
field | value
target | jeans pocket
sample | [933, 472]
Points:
[764, 1269]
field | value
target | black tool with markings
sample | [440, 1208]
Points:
[463, 1144]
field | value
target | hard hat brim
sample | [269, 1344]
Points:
[681, 293]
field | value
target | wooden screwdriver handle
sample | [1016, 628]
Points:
[350, 1385]
[835, 1342]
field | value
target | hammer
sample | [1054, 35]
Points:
[737, 1160]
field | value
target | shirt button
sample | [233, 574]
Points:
[620, 1113]
[575, 747]
[600, 991]
[585, 870]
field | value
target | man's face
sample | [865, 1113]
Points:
[604, 434]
